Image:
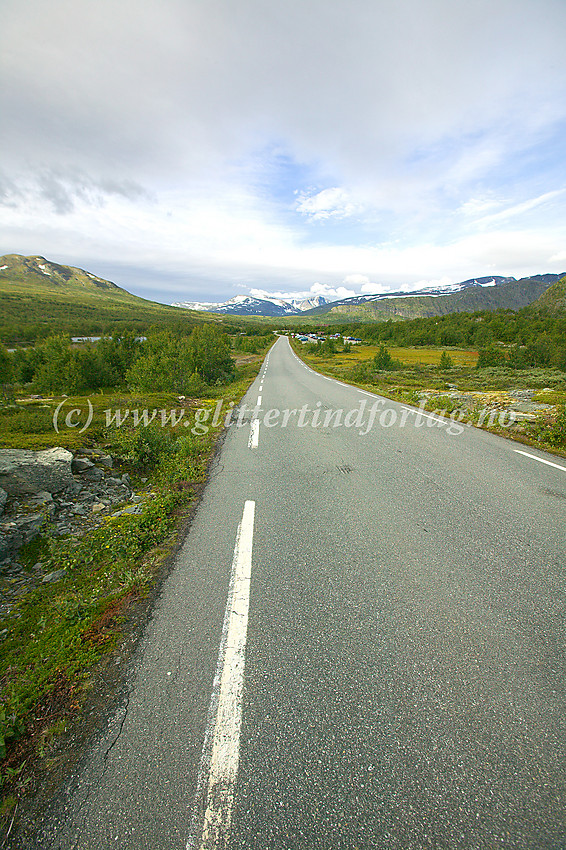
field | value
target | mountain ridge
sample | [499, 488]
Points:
[37, 295]
[248, 305]
[48, 273]
[485, 293]
[554, 298]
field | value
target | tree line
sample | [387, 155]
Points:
[165, 361]
[523, 339]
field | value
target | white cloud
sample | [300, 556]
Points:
[364, 284]
[143, 136]
[329, 203]
[331, 293]
[479, 206]
[523, 207]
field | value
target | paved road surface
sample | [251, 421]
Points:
[403, 642]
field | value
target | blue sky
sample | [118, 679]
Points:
[197, 150]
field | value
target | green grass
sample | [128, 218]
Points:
[420, 356]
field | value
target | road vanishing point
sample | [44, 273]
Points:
[360, 645]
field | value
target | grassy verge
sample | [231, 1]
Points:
[417, 379]
[58, 636]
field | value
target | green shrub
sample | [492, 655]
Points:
[384, 362]
[491, 356]
[550, 429]
[143, 447]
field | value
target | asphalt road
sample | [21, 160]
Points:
[404, 649]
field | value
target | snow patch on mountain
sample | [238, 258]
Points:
[247, 305]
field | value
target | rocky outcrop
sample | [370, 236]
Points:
[25, 473]
[94, 490]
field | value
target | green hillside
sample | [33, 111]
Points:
[38, 297]
[554, 298]
[507, 296]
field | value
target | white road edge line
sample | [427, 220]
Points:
[425, 415]
[253, 441]
[541, 460]
[225, 753]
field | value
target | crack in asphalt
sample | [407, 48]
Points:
[123, 720]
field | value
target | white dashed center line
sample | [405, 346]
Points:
[253, 441]
[228, 686]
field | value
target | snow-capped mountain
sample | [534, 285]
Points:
[309, 303]
[246, 305]
[449, 289]
[481, 293]
[477, 293]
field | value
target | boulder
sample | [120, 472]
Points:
[81, 464]
[24, 473]
[3, 500]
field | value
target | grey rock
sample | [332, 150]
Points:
[13, 535]
[24, 472]
[94, 473]
[531, 407]
[126, 479]
[29, 526]
[81, 464]
[3, 500]
[8, 544]
[56, 576]
[106, 460]
[44, 500]
[522, 395]
[41, 499]
[87, 497]
[74, 489]
[131, 509]
[116, 498]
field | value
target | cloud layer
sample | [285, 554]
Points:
[185, 148]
